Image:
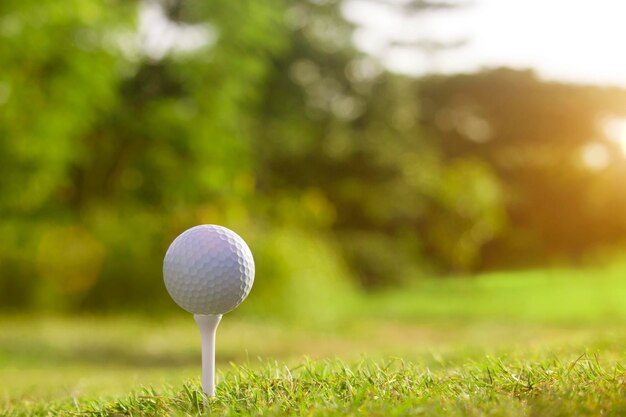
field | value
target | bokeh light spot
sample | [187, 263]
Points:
[615, 129]
[595, 156]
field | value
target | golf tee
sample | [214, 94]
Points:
[208, 326]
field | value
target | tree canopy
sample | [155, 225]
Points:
[262, 116]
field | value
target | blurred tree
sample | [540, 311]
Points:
[343, 130]
[123, 123]
[58, 73]
[111, 135]
[536, 136]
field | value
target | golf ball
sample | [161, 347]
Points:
[208, 269]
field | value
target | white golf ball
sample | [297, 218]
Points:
[208, 269]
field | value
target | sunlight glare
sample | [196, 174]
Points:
[595, 156]
[616, 131]
[572, 41]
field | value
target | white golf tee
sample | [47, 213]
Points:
[208, 326]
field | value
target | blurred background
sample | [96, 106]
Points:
[402, 159]
[337, 137]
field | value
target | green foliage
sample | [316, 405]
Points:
[339, 173]
[303, 279]
[274, 127]
[59, 72]
[117, 151]
[400, 208]
[533, 135]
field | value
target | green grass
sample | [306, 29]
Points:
[504, 386]
[526, 344]
[563, 296]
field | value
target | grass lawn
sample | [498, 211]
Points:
[525, 344]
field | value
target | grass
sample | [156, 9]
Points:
[563, 296]
[507, 387]
[525, 344]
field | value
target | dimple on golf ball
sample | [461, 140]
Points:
[208, 269]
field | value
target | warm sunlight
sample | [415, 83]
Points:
[616, 131]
